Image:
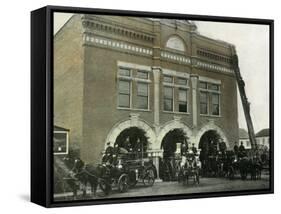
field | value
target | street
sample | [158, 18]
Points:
[168, 188]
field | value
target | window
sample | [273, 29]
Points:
[142, 74]
[124, 72]
[124, 89]
[182, 100]
[203, 102]
[175, 42]
[203, 85]
[60, 145]
[168, 79]
[215, 104]
[168, 98]
[214, 87]
[182, 81]
[209, 98]
[142, 96]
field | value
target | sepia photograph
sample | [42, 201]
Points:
[152, 106]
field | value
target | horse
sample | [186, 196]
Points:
[93, 175]
[189, 167]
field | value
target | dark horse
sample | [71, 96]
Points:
[93, 175]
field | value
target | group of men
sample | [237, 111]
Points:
[187, 149]
[111, 153]
[239, 151]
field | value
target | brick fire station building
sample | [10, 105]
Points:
[112, 73]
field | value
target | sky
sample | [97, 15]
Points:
[252, 46]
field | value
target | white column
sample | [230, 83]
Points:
[194, 81]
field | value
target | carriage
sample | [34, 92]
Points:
[241, 166]
[189, 169]
[126, 171]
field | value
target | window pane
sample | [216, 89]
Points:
[124, 87]
[143, 89]
[182, 95]
[168, 105]
[203, 97]
[203, 108]
[168, 79]
[124, 72]
[214, 87]
[168, 92]
[124, 100]
[215, 99]
[142, 102]
[142, 74]
[60, 142]
[203, 103]
[215, 110]
[182, 81]
[203, 85]
[182, 107]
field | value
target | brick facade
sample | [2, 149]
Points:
[88, 51]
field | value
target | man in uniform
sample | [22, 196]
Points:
[222, 146]
[236, 148]
[194, 149]
[184, 148]
[107, 157]
[242, 150]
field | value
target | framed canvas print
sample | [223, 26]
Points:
[134, 106]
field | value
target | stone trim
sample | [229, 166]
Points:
[145, 51]
[134, 121]
[209, 80]
[170, 72]
[116, 44]
[208, 127]
[173, 124]
[213, 67]
[134, 66]
[175, 57]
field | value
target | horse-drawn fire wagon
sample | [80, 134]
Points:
[189, 169]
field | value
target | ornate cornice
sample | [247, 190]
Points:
[90, 39]
[95, 23]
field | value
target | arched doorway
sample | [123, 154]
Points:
[134, 140]
[171, 153]
[118, 128]
[211, 145]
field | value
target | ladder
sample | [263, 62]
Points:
[245, 102]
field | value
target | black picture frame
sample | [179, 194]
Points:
[42, 104]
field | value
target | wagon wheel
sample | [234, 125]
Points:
[123, 183]
[133, 180]
[186, 177]
[149, 177]
[196, 177]
[180, 176]
[105, 186]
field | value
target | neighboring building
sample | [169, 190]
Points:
[262, 138]
[114, 74]
[244, 138]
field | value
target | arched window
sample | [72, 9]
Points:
[176, 43]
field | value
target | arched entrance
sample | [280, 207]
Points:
[134, 140]
[211, 146]
[170, 145]
[133, 122]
